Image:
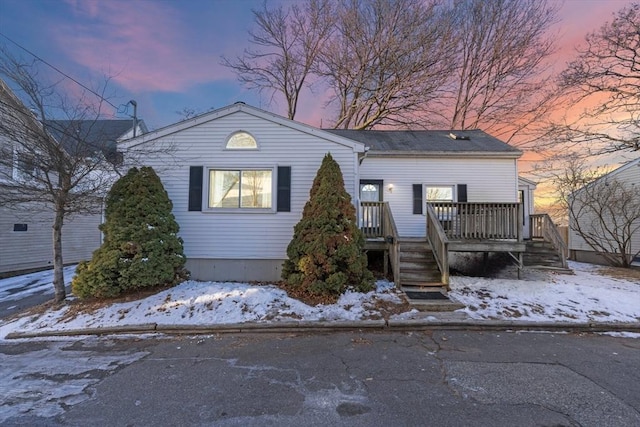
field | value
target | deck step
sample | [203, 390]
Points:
[542, 255]
[430, 299]
[419, 276]
[417, 264]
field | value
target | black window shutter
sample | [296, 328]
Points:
[195, 188]
[284, 189]
[417, 199]
[462, 192]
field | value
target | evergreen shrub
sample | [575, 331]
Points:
[326, 254]
[141, 247]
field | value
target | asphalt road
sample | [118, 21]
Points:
[439, 378]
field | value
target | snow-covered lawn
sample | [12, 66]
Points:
[592, 294]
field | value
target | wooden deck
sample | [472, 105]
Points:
[450, 227]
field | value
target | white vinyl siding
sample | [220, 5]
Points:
[23, 250]
[629, 175]
[238, 235]
[487, 180]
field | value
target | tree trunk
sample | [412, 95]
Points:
[58, 263]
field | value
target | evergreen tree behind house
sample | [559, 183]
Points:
[326, 254]
[141, 248]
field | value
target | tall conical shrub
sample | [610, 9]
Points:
[326, 253]
[141, 248]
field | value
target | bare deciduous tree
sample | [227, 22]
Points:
[386, 62]
[500, 76]
[286, 43]
[57, 166]
[411, 63]
[603, 211]
[604, 82]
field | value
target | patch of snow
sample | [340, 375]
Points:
[585, 296]
[622, 334]
[41, 282]
[31, 384]
[544, 296]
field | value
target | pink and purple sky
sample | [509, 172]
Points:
[165, 54]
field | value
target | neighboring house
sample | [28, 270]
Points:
[26, 230]
[627, 175]
[239, 178]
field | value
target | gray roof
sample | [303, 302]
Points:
[85, 137]
[427, 141]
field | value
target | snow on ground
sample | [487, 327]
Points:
[586, 296]
[19, 287]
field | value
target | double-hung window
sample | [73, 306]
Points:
[439, 193]
[240, 189]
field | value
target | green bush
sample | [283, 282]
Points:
[326, 254]
[141, 248]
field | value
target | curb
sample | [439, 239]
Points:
[319, 327]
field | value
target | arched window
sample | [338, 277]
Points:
[241, 141]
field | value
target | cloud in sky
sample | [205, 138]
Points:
[149, 48]
[166, 54]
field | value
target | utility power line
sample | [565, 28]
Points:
[60, 71]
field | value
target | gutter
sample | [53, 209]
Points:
[447, 154]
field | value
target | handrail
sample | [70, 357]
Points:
[376, 221]
[439, 243]
[485, 221]
[391, 235]
[542, 226]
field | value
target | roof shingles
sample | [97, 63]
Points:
[427, 141]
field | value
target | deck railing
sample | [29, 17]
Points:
[376, 222]
[479, 221]
[439, 243]
[372, 218]
[391, 235]
[542, 227]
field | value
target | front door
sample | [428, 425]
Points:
[370, 208]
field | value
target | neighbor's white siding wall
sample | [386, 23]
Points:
[487, 180]
[630, 175]
[244, 235]
[24, 250]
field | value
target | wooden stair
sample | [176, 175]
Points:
[542, 254]
[421, 278]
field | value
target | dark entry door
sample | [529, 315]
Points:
[370, 206]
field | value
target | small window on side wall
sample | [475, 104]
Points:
[241, 141]
[439, 193]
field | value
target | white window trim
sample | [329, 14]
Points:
[205, 188]
[232, 134]
[454, 190]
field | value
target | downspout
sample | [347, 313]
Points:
[135, 116]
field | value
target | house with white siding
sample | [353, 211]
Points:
[239, 178]
[602, 226]
[26, 228]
